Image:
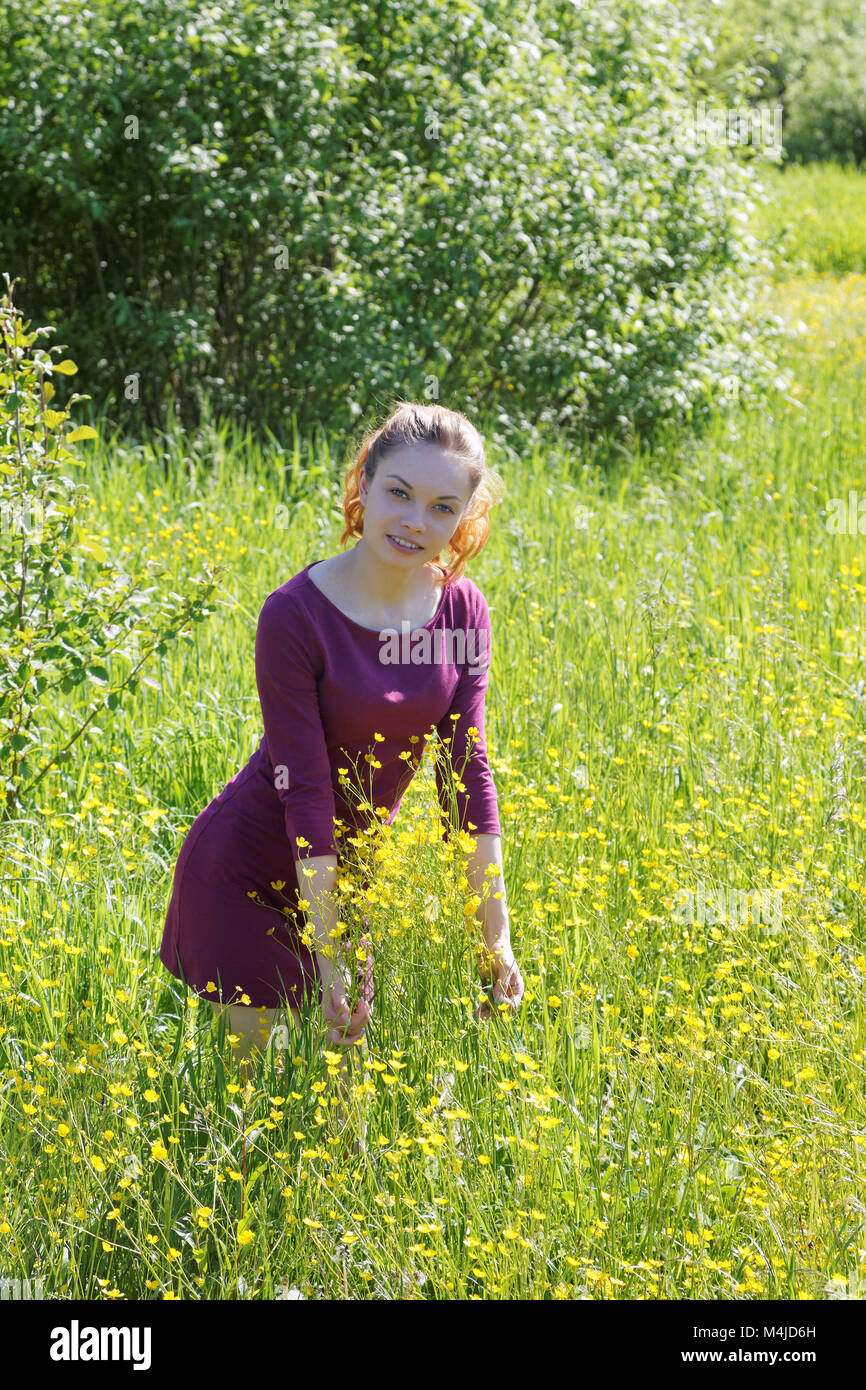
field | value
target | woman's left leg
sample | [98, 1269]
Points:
[254, 1027]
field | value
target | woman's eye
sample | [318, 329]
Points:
[449, 510]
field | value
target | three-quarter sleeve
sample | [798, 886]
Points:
[285, 662]
[476, 804]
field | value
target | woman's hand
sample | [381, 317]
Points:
[508, 986]
[345, 1027]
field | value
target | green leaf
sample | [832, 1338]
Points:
[66, 367]
[91, 546]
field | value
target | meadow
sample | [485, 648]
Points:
[675, 706]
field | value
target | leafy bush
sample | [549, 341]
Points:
[807, 55]
[300, 210]
[65, 608]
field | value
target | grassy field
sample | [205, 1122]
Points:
[815, 220]
[676, 706]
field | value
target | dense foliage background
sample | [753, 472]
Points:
[807, 55]
[292, 213]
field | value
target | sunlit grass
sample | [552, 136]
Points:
[816, 219]
[677, 1111]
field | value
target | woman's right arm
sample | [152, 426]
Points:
[288, 664]
[317, 877]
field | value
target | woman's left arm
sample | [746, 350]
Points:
[491, 913]
[462, 730]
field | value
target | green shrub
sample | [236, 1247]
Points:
[299, 211]
[68, 610]
[807, 55]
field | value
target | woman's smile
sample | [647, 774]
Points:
[401, 543]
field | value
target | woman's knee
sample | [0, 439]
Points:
[256, 1026]
[250, 1025]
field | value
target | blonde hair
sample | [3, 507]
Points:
[412, 424]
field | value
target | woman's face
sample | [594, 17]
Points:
[418, 495]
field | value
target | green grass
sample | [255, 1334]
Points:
[676, 700]
[815, 220]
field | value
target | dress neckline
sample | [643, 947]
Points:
[360, 626]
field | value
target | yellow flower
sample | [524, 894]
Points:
[158, 1150]
[63, 1130]
[553, 1001]
[244, 1237]
[151, 1095]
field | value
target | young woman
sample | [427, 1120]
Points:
[330, 675]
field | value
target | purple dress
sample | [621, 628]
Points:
[326, 685]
